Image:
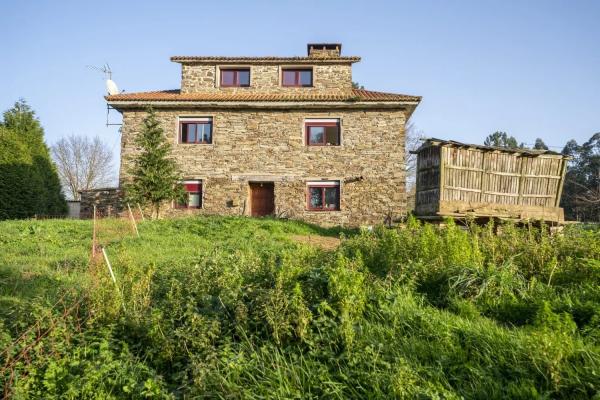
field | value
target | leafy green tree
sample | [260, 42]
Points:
[29, 183]
[155, 177]
[356, 85]
[501, 139]
[540, 145]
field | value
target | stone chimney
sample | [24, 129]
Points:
[324, 50]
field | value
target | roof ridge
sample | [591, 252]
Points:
[308, 59]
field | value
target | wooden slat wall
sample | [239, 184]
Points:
[462, 174]
[428, 179]
[473, 175]
[541, 181]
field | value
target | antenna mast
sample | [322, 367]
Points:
[111, 86]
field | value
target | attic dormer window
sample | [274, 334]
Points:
[294, 77]
[238, 77]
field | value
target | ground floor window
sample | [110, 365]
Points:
[323, 195]
[193, 199]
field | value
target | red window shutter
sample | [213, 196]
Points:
[192, 187]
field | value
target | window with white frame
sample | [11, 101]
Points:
[322, 132]
[195, 130]
[193, 199]
[323, 195]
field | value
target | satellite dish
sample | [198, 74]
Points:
[111, 87]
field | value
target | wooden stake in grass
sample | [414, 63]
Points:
[112, 275]
[94, 235]
[133, 223]
[141, 212]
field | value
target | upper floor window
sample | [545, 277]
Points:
[323, 196]
[322, 132]
[198, 130]
[239, 77]
[193, 198]
[297, 77]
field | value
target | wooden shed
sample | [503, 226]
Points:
[459, 180]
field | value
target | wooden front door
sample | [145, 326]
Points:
[262, 199]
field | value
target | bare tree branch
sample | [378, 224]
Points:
[414, 138]
[82, 164]
[590, 196]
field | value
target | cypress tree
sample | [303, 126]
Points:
[154, 175]
[29, 183]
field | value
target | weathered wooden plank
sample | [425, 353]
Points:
[462, 189]
[561, 182]
[551, 196]
[443, 162]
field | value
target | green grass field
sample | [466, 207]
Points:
[232, 307]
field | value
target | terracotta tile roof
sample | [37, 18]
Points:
[175, 95]
[266, 59]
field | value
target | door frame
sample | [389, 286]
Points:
[253, 183]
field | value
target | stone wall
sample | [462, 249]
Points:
[108, 202]
[323, 52]
[265, 78]
[269, 145]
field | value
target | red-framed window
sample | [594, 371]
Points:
[297, 77]
[322, 132]
[323, 196]
[193, 199]
[197, 131]
[238, 77]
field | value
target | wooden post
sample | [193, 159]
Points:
[133, 223]
[483, 176]
[112, 275]
[443, 151]
[561, 181]
[522, 180]
[141, 212]
[94, 235]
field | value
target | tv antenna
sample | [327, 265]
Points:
[111, 86]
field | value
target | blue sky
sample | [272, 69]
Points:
[531, 68]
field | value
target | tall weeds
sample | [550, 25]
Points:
[234, 308]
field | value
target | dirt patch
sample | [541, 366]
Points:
[324, 242]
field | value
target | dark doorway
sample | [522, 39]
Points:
[262, 198]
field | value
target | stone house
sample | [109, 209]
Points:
[284, 136]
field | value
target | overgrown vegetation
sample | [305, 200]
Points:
[233, 308]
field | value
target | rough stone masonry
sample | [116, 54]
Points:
[259, 135]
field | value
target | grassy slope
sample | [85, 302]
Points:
[232, 307]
